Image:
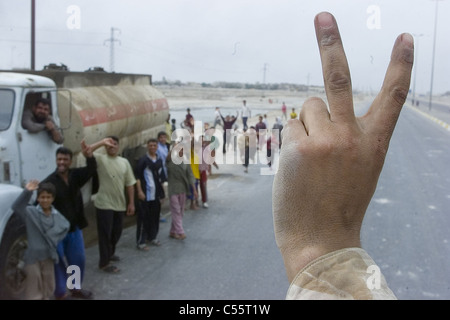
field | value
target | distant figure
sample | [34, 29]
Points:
[163, 149]
[195, 162]
[39, 119]
[278, 125]
[206, 154]
[293, 114]
[260, 135]
[168, 128]
[212, 145]
[246, 113]
[244, 149]
[252, 143]
[174, 127]
[227, 127]
[189, 120]
[284, 111]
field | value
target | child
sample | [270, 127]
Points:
[45, 228]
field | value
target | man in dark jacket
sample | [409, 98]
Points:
[149, 174]
[69, 201]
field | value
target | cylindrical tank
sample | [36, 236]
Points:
[134, 113]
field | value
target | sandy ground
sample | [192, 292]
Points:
[195, 97]
[180, 98]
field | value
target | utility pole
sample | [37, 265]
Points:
[434, 48]
[416, 57]
[265, 70]
[308, 77]
[112, 40]
[264, 79]
[33, 34]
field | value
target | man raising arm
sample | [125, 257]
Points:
[115, 175]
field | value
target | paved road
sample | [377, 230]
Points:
[230, 252]
[407, 223]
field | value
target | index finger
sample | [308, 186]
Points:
[335, 68]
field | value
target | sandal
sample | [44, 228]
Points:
[143, 247]
[111, 269]
[156, 243]
[178, 236]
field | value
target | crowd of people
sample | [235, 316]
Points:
[318, 233]
[123, 190]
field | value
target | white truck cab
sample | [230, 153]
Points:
[23, 156]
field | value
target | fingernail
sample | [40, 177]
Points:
[407, 38]
[325, 20]
[408, 52]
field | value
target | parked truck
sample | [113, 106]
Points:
[91, 105]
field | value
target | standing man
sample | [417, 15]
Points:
[168, 127]
[163, 148]
[227, 126]
[189, 120]
[246, 113]
[260, 134]
[115, 175]
[69, 202]
[284, 111]
[150, 175]
[39, 119]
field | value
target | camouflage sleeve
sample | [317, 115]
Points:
[344, 274]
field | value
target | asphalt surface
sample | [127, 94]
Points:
[406, 225]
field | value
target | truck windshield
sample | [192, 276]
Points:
[6, 108]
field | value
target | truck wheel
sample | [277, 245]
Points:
[12, 249]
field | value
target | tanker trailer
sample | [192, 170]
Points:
[133, 113]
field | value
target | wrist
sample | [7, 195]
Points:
[296, 259]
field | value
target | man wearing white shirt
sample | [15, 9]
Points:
[245, 113]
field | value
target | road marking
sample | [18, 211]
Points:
[438, 121]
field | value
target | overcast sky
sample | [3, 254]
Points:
[225, 40]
